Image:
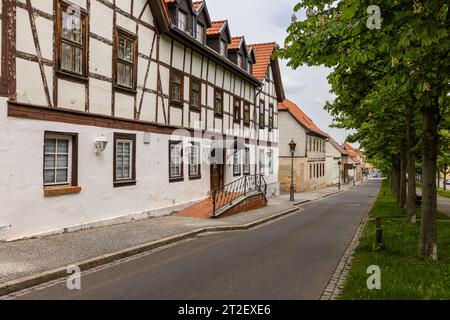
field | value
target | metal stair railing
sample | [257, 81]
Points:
[227, 194]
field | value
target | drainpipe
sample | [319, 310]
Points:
[255, 116]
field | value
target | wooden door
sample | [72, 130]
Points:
[217, 176]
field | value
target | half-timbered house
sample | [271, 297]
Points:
[110, 110]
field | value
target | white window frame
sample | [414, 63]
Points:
[237, 163]
[194, 162]
[184, 26]
[57, 137]
[131, 159]
[262, 165]
[223, 47]
[270, 161]
[200, 36]
[180, 164]
[246, 167]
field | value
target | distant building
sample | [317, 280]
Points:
[335, 154]
[310, 155]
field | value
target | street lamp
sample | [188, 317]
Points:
[354, 175]
[292, 146]
[339, 174]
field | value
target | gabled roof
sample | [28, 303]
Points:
[352, 152]
[251, 54]
[236, 43]
[216, 28]
[337, 146]
[199, 7]
[301, 117]
[263, 53]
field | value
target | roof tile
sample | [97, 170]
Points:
[263, 53]
[297, 113]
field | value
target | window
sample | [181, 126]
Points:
[196, 94]
[176, 87]
[125, 60]
[271, 111]
[218, 102]
[124, 159]
[57, 160]
[247, 161]
[310, 171]
[194, 161]
[246, 114]
[236, 163]
[237, 110]
[249, 67]
[262, 111]
[182, 21]
[60, 168]
[239, 60]
[262, 162]
[72, 40]
[176, 161]
[223, 48]
[270, 161]
[200, 34]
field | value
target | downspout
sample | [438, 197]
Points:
[255, 116]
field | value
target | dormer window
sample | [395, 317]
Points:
[182, 21]
[239, 60]
[223, 48]
[200, 34]
[249, 67]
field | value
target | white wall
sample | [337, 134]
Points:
[28, 212]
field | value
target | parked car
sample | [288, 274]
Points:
[447, 182]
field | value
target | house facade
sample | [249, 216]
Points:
[355, 159]
[310, 155]
[336, 158]
[114, 110]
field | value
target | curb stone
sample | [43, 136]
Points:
[337, 281]
[61, 272]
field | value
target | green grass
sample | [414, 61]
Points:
[444, 193]
[403, 275]
[440, 191]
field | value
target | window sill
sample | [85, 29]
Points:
[60, 190]
[125, 90]
[174, 180]
[126, 183]
[195, 178]
[72, 76]
[218, 115]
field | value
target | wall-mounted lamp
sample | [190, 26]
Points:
[100, 144]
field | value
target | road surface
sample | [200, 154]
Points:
[292, 258]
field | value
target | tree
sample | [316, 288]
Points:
[397, 62]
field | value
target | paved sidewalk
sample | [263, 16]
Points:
[32, 256]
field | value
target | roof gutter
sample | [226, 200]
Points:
[194, 44]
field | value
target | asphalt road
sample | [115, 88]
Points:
[292, 258]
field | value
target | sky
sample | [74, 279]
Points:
[267, 21]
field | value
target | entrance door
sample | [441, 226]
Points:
[217, 179]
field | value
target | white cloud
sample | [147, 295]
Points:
[267, 21]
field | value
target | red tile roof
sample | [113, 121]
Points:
[300, 116]
[216, 28]
[354, 154]
[235, 43]
[263, 53]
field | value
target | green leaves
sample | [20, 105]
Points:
[377, 73]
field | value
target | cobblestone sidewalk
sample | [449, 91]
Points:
[31, 256]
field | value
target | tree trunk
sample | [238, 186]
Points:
[445, 181]
[402, 178]
[411, 167]
[428, 230]
[397, 182]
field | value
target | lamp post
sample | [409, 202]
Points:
[339, 174]
[292, 146]
[354, 175]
